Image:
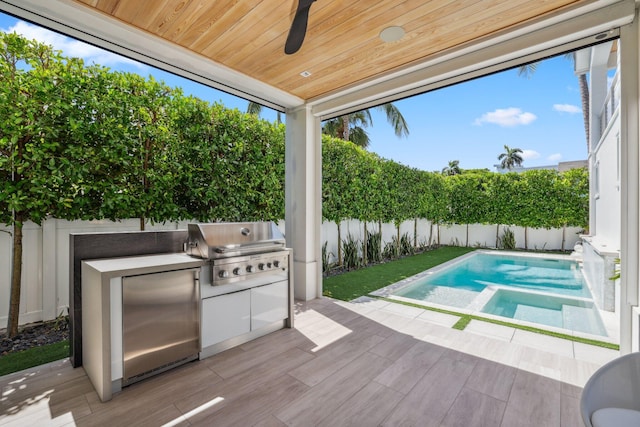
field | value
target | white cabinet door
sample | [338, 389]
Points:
[225, 316]
[269, 304]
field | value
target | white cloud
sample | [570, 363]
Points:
[530, 154]
[567, 108]
[555, 157]
[507, 117]
[69, 46]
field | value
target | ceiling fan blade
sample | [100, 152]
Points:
[298, 27]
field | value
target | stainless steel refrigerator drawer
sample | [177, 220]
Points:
[160, 322]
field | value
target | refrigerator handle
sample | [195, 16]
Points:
[196, 282]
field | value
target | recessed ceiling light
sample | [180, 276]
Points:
[305, 74]
[392, 34]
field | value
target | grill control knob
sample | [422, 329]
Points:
[223, 273]
[268, 265]
[276, 264]
[249, 268]
[261, 266]
[236, 271]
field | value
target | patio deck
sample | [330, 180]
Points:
[362, 364]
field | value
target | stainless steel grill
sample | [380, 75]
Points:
[238, 250]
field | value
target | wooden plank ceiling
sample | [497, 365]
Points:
[342, 46]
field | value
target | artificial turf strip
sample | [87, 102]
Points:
[351, 285]
[14, 362]
[466, 318]
[462, 323]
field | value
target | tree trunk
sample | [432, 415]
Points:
[467, 244]
[339, 245]
[415, 233]
[381, 244]
[584, 97]
[142, 221]
[526, 238]
[345, 127]
[398, 241]
[497, 235]
[564, 230]
[16, 277]
[430, 233]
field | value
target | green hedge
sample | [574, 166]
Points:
[84, 142]
[361, 185]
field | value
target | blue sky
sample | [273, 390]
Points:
[469, 122]
[472, 121]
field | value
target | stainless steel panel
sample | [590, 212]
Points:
[160, 320]
[225, 239]
[86, 246]
[232, 270]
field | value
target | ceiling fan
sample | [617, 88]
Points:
[298, 27]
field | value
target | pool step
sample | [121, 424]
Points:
[571, 315]
[582, 319]
[482, 299]
[542, 315]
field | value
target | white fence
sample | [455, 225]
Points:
[45, 270]
[473, 235]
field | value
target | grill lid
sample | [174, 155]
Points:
[226, 239]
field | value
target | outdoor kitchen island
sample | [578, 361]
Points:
[143, 315]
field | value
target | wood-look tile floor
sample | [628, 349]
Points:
[343, 364]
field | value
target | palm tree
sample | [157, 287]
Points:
[584, 99]
[255, 109]
[452, 169]
[510, 158]
[351, 127]
[527, 70]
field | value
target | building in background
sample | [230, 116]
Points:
[560, 167]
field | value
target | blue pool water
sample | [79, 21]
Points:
[559, 312]
[547, 291]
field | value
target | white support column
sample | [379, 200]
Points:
[630, 184]
[303, 200]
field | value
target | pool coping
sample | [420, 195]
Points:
[387, 292]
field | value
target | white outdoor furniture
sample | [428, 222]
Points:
[611, 397]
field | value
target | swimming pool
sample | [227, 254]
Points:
[546, 290]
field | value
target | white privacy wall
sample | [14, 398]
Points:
[475, 235]
[45, 269]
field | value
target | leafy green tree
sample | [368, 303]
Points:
[453, 168]
[433, 206]
[47, 103]
[511, 158]
[502, 193]
[151, 138]
[340, 185]
[401, 194]
[351, 127]
[468, 201]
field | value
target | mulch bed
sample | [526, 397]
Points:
[35, 335]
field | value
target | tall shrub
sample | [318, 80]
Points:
[45, 100]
